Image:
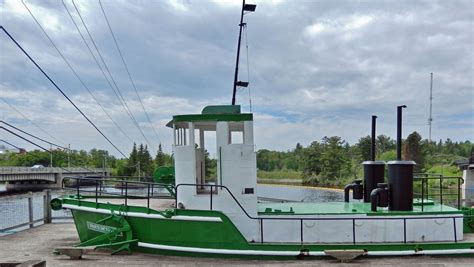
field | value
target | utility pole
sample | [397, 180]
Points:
[51, 156]
[69, 156]
[103, 164]
[139, 171]
[430, 119]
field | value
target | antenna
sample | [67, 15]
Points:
[430, 119]
[248, 8]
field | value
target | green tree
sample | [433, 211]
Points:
[160, 159]
[132, 162]
[210, 170]
[146, 163]
[412, 150]
[384, 143]
[312, 162]
[364, 147]
[335, 163]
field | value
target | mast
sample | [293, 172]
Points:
[430, 119]
[249, 8]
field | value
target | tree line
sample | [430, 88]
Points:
[334, 162]
[139, 163]
[95, 158]
[329, 162]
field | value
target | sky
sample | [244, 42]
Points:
[316, 68]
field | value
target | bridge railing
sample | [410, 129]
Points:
[17, 170]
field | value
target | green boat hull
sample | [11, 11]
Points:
[212, 234]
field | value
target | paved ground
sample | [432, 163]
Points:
[39, 242]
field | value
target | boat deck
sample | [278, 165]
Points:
[304, 208]
[346, 208]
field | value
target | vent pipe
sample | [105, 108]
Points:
[372, 146]
[399, 131]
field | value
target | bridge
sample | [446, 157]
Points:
[46, 177]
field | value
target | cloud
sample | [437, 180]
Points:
[316, 68]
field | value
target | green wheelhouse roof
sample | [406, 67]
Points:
[213, 114]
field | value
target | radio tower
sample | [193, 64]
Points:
[430, 119]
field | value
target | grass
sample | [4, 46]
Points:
[279, 175]
[445, 170]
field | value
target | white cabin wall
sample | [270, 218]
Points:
[468, 187]
[185, 172]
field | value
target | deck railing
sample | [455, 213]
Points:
[22, 211]
[116, 186]
[302, 219]
[439, 182]
[99, 189]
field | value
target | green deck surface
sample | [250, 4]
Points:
[344, 208]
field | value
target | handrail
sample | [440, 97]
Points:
[441, 178]
[99, 186]
[301, 219]
[260, 219]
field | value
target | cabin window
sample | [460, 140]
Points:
[206, 162]
[236, 137]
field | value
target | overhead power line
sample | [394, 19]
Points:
[110, 74]
[61, 91]
[32, 122]
[127, 70]
[19, 136]
[34, 136]
[75, 73]
[10, 144]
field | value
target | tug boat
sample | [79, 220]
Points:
[225, 219]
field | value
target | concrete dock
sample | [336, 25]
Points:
[39, 243]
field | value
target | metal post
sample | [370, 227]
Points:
[422, 193]
[148, 198]
[353, 231]
[430, 119]
[126, 194]
[455, 233]
[404, 230]
[51, 155]
[69, 156]
[139, 171]
[399, 131]
[441, 190]
[236, 74]
[30, 209]
[46, 207]
[372, 147]
[211, 196]
[459, 193]
[301, 230]
[96, 194]
[78, 181]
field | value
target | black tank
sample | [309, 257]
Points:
[400, 183]
[374, 173]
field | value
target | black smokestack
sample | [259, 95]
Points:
[372, 145]
[399, 131]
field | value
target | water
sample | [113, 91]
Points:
[299, 193]
[14, 211]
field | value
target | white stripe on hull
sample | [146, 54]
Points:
[226, 251]
[144, 215]
[297, 253]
